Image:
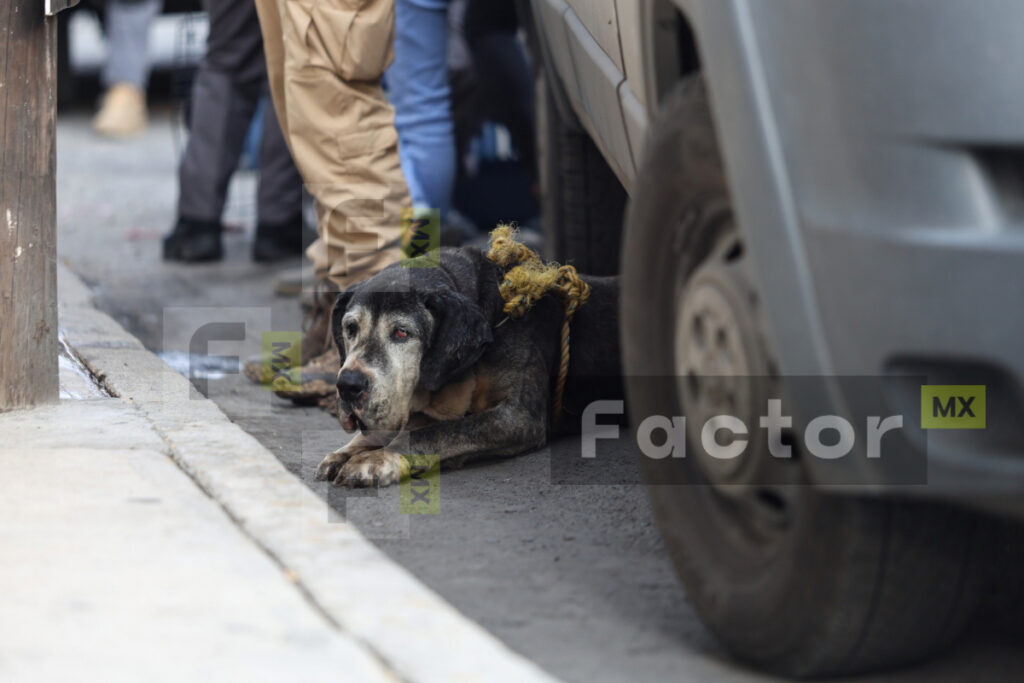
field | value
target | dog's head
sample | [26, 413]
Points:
[393, 343]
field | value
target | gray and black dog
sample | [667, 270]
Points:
[432, 366]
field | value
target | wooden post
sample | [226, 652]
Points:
[28, 229]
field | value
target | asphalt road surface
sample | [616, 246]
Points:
[573, 576]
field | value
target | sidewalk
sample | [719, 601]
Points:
[145, 536]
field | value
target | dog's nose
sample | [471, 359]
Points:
[352, 384]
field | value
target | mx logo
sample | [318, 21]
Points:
[952, 406]
[421, 238]
[421, 490]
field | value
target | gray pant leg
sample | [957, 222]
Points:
[279, 198]
[227, 88]
[220, 117]
[127, 25]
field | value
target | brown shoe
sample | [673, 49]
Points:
[258, 371]
[316, 339]
[122, 113]
[316, 380]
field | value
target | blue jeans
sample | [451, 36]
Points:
[418, 83]
[128, 36]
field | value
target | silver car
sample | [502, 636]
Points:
[825, 199]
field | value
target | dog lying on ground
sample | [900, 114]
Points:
[431, 365]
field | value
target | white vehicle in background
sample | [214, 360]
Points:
[177, 41]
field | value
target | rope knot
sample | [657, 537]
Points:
[527, 280]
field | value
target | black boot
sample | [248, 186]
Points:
[278, 241]
[194, 241]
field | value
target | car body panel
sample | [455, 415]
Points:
[599, 81]
[864, 180]
[631, 41]
[602, 24]
[635, 117]
[549, 17]
[590, 77]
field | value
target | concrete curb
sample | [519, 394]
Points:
[410, 628]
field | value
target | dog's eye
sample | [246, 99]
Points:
[400, 333]
[351, 330]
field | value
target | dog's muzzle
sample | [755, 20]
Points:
[353, 387]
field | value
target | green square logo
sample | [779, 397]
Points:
[421, 238]
[281, 360]
[421, 489]
[953, 406]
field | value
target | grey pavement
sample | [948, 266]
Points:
[117, 565]
[573, 577]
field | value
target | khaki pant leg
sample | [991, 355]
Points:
[273, 47]
[340, 127]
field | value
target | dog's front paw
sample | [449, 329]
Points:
[376, 468]
[329, 467]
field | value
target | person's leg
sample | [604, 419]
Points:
[124, 76]
[340, 126]
[220, 115]
[224, 97]
[507, 87]
[273, 48]
[418, 83]
[127, 29]
[491, 29]
[278, 197]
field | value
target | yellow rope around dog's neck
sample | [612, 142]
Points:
[527, 279]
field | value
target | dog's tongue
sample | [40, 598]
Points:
[348, 423]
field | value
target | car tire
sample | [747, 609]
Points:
[830, 584]
[582, 200]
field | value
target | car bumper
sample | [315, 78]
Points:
[875, 152]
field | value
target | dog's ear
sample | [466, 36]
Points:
[461, 333]
[337, 313]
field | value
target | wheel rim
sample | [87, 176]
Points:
[722, 367]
